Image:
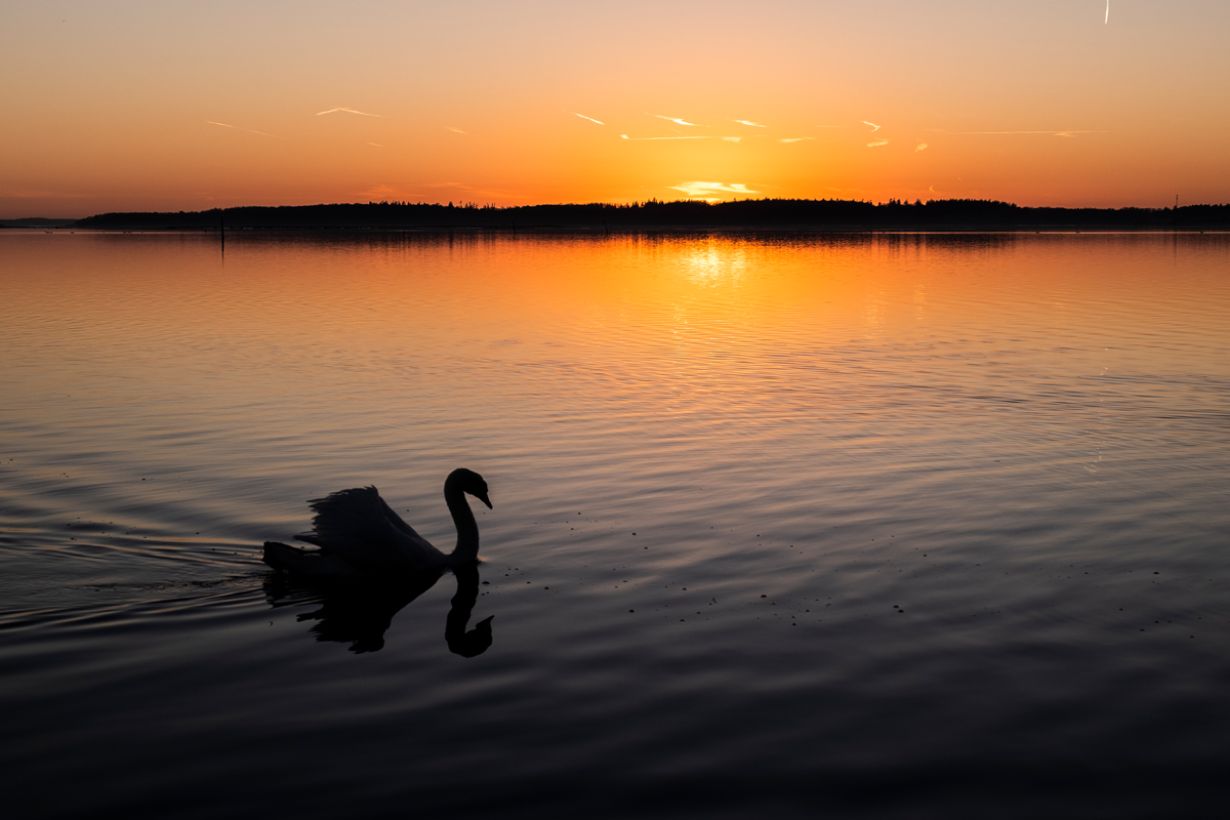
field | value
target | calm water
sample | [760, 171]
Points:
[903, 526]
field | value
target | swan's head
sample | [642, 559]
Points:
[469, 482]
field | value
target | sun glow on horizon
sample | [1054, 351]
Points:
[423, 103]
[712, 191]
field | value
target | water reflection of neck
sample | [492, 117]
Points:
[477, 640]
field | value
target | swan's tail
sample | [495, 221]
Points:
[304, 563]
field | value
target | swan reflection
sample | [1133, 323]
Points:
[360, 612]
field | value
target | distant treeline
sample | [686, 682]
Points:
[785, 214]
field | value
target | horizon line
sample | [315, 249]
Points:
[652, 200]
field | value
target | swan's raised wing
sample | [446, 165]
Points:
[360, 527]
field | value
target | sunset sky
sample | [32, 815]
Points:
[186, 105]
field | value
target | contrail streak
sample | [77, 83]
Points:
[348, 111]
[238, 128]
[594, 120]
[676, 120]
[664, 139]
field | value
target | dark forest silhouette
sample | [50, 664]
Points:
[762, 214]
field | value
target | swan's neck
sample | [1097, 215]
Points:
[467, 527]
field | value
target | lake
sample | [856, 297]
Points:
[784, 525]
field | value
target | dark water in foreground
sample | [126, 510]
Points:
[914, 526]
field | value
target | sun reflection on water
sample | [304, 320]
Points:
[715, 263]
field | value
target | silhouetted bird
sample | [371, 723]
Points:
[360, 536]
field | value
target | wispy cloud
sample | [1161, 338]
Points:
[668, 139]
[455, 130]
[348, 111]
[792, 140]
[874, 126]
[239, 128]
[922, 146]
[677, 120]
[751, 124]
[594, 120]
[448, 184]
[731, 139]
[452, 188]
[382, 192]
[877, 143]
[705, 189]
[375, 145]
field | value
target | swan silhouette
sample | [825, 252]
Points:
[360, 537]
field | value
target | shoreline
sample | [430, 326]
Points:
[598, 230]
[742, 216]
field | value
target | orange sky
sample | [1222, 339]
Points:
[182, 105]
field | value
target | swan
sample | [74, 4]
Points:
[360, 536]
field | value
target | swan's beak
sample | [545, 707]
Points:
[483, 498]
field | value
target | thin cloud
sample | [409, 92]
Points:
[456, 130]
[680, 138]
[792, 140]
[922, 146]
[677, 120]
[877, 143]
[238, 128]
[594, 120]
[441, 189]
[689, 137]
[375, 145]
[874, 127]
[706, 189]
[751, 124]
[354, 111]
[382, 192]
